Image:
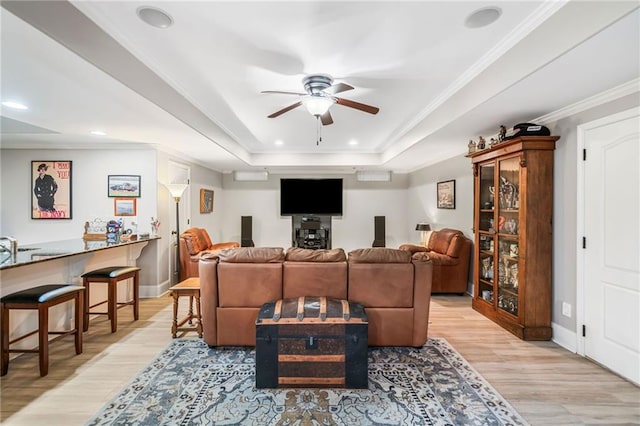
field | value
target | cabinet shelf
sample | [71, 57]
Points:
[519, 174]
[509, 290]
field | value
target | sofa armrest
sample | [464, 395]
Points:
[208, 266]
[226, 245]
[414, 248]
[423, 272]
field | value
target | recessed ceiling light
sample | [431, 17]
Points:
[98, 133]
[483, 17]
[14, 105]
[154, 17]
[353, 142]
[279, 142]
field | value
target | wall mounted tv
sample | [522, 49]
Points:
[311, 196]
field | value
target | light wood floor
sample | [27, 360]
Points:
[545, 383]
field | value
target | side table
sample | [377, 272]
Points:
[189, 287]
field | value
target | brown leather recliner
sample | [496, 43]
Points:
[449, 250]
[395, 289]
[234, 284]
[314, 273]
[194, 242]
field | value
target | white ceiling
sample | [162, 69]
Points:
[194, 89]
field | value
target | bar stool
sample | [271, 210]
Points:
[189, 287]
[111, 275]
[41, 298]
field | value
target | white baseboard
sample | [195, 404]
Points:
[149, 291]
[566, 338]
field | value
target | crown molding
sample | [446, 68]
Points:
[609, 95]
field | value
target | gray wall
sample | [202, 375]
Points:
[422, 199]
[565, 237]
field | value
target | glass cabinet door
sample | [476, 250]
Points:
[508, 221]
[486, 232]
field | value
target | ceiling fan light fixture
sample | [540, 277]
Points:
[317, 105]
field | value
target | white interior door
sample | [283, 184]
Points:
[611, 274]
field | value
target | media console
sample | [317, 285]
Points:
[311, 232]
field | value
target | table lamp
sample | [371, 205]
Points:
[423, 228]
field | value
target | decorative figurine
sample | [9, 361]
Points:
[155, 225]
[472, 146]
[492, 142]
[502, 134]
[481, 143]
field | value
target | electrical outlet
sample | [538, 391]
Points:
[566, 309]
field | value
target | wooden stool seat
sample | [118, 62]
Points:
[41, 298]
[189, 287]
[111, 275]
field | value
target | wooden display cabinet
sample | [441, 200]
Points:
[513, 207]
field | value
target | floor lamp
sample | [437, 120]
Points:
[176, 190]
[424, 228]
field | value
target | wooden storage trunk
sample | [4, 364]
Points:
[311, 342]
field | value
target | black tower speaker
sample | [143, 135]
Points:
[379, 232]
[246, 231]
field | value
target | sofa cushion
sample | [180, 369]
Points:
[379, 255]
[252, 255]
[440, 240]
[382, 285]
[297, 254]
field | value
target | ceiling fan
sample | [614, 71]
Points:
[320, 97]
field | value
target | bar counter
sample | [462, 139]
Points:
[35, 253]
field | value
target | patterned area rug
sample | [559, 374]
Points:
[192, 384]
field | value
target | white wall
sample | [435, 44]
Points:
[362, 201]
[90, 169]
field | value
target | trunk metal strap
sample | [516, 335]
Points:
[323, 308]
[277, 312]
[300, 313]
[345, 310]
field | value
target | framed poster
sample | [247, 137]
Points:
[124, 207]
[447, 194]
[123, 186]
[51, 189]
[206, 201]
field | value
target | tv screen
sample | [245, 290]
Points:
[311, 196]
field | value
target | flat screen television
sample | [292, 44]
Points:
[311, 196]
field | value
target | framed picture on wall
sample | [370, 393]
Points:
[50, 189]
[447, 194]
[124, 207]
[123, 186]
[206, 200]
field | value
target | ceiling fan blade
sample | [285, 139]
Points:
[284, 93]
[283, 110]
[337, 88]
[326, 118]
[357, 105]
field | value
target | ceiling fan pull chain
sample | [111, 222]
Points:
[318, 131]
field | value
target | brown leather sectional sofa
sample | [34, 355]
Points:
[449, 250]
[393, 285]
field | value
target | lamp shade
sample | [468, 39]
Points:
[176, 189]
[423, 227]
[317, 105]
